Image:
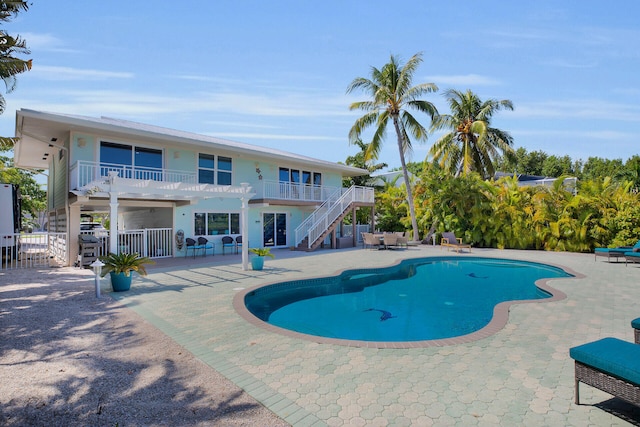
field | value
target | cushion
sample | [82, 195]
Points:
[635, 323]
[632, 254]
[613, 356]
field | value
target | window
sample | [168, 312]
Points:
[214, 169]
[146, 162]
[216, 223]
[299, 177]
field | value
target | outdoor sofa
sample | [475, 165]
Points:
[611, 365]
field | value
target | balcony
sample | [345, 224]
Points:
[289, 191]
[92, 177]
[84, 173]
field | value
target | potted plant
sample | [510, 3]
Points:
[120, 267]
[257, 261]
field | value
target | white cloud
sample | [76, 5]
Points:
[48, 72]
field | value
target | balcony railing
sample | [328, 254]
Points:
[84, 172]
[292, 191]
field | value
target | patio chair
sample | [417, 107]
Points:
[238, 243]
[206, 244]
[390, 240]
[402, 239]
[368, 239]
[615, 253]
[449, 240]
[228, 242]
[191, 244]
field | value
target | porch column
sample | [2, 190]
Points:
[244, 220]
[113, 213]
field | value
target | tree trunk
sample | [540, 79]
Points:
[407, 183]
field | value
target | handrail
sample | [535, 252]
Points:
[318, 222]
[84, 172]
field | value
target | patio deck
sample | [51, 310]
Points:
[522, 375]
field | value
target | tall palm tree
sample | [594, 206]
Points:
[392, 94]
[472, 144]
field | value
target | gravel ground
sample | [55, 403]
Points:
[69, 359]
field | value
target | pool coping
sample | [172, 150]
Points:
[498, 320]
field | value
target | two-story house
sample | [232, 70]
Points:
[159, 186]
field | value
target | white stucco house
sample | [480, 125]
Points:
[157, 185]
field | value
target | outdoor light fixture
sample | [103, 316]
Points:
[97, 269]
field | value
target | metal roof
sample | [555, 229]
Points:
[42, 134]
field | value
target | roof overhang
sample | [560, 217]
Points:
[41, 135]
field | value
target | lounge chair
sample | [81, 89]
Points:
[611, 365]
[449, 240]
[368, 239]
[206, 244]
[615, 253]
[631, 257]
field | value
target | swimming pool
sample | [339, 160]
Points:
[416, 300]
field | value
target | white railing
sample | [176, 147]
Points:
[31, 250]
[292, 191]
[318, 222]
[149, 242]
[84, 172]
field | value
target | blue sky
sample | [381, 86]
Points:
[275, 73]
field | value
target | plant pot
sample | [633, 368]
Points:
[120, 282]
[257, 262]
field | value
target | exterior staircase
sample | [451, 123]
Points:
[323, 221]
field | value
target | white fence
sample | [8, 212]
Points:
[34, 250]
[149, 242]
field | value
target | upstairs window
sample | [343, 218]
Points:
[214, 169]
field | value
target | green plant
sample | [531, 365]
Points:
[262, 252]
[125, 263]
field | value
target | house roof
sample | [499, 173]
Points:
[42, 134]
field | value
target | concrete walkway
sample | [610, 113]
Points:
[522, 375]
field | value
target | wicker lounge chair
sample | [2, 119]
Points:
[615, 253]
[449, 240]
[611, 365]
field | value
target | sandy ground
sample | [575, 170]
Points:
[67, 358]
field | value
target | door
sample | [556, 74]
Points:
[274, 229]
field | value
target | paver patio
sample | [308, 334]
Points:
[522, 375]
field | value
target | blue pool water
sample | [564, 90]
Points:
[419, 299]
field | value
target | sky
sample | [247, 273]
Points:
[274, 73]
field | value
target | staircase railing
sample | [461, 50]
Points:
[319, 221]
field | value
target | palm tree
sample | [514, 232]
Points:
[392, 94]
[10, 65]
[472, 144]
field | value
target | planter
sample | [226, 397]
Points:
[120, 282]
[257, 262]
